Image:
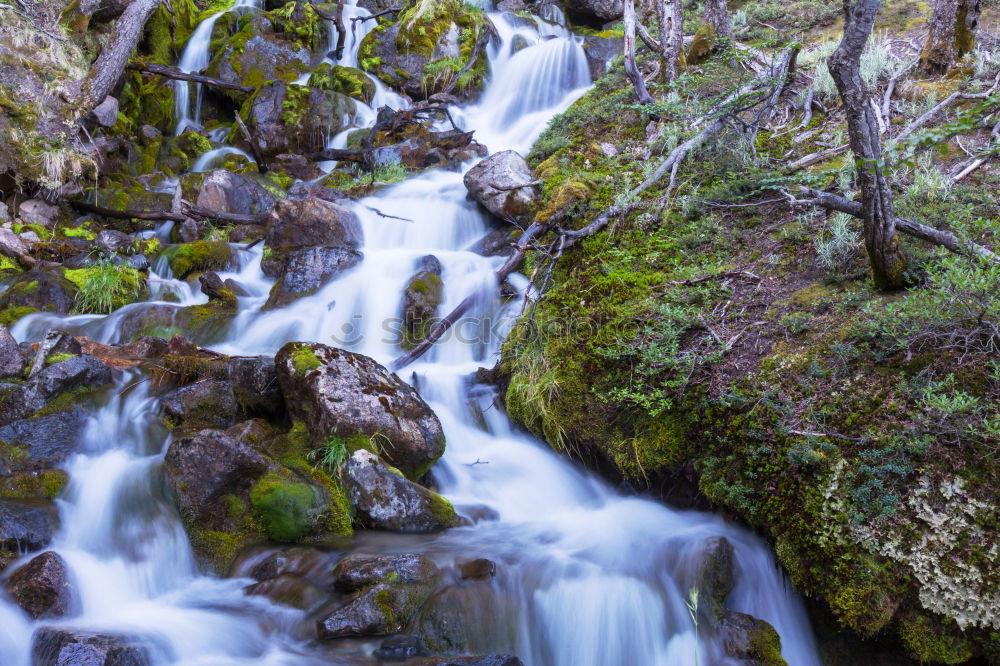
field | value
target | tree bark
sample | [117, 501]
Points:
[671, 37]
[717, 15]
[177, 75]
[107, 70]
[881, 240]
[631, 69]
[953, 26]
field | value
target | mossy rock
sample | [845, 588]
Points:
[198, 256]
[348, 81]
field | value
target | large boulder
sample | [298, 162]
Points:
[360, 570]
[384, 499]
[493, 183]
[289, 118]
[44, 290]
[348, 81]
[27, 526]
[601, 52]
[377, 611]
[41, 587]
[40, 442]
[421, 299]
[11, 361]
[422, 52]
[78, 372]
[602, 10]
[61, 646]
[749, 639]
[228, 192]
[337, 393]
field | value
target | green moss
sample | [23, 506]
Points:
[284, 507]
[304, 359]
[8, 266]
[10, 316]
[198, 256]
[441, 509]
[345, 80]
[46, 484]
[765, 646]
[217, 548]
[56, 358]
[931, 646]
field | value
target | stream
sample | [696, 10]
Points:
[585, 575]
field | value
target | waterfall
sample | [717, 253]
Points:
[586, 576]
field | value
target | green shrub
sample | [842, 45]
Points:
[835, 252]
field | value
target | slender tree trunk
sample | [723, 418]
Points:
[953, 26]
[717, 16]
[878, 217]
[671, 37]
[631, 69]
[107, 70]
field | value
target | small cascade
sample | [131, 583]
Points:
[208, 159]
[586, 576]
[194, 59]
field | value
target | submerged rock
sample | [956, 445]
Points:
[492, 183]
[384, 499]
[27, 526]
[713, 574]
[377, 611]
[360, 570]
[421, 299]
[401, 647]
[60, 646]
[41, 587]
[339, 393]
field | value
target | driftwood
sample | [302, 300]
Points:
[177, 75]
[940, 237]
[165, 215]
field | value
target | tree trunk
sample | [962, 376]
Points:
[717, 16]
[631, 70]
[671, 37]
[878, 217]
[107, 70]
[952, 34]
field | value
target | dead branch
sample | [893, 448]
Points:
[254, 146]
[338, 23]
[940, 237]
[384, 12]
[631, 69]
[814, 158]
[476, 48]
[948, 101]
[177, 75]
[725, 275]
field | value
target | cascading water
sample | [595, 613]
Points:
[585, 575]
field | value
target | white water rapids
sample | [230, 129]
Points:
[586, 576]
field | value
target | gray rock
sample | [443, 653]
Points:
[60, 646]
[266, 56]
[42, 442]
[204, 468]
[228, 192]
[36, 211]
[11, 362]
[383, 499]
[605, 10]
[323, 113]
[12, 245]
[112, 241]
[206, 403]
[41, 587]
[750, 639]
[401, 647]
[106, 113]
[489, 183]
[27, 526]
[58, 378]
[337, 392]
[360, 570]
[312, 222]
[149, 132]
[600, 52]
[377, 611]
[307, 270]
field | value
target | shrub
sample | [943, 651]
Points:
[835, 252]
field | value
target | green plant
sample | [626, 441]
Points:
[105, 287]
[836, 252]
[331, 455]
[692, 606]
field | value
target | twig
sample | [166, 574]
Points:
[386, 215]
[177, 75]
[254, 148]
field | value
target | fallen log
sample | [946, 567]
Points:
[177, 75]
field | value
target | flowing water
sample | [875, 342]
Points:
[586, 576]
